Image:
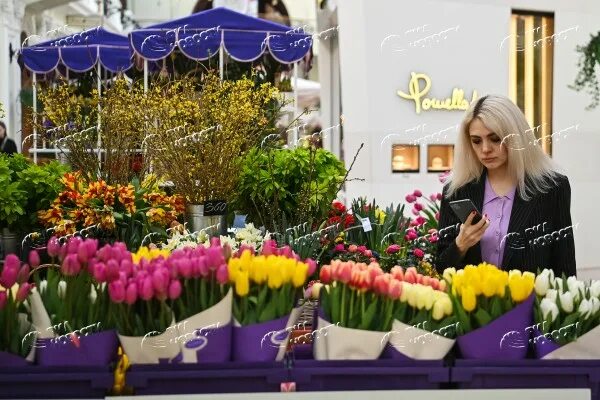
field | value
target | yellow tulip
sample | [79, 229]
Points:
[489, 287]
[520, 287]
[469, 299]
[242, 284]
[406, 289]
[449, 273]
[441, 308]
[274, 278]
[300, 274]
[501, 282]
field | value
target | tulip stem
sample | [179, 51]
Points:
[351, 305]
[342, 315]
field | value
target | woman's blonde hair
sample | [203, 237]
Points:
[534, 170]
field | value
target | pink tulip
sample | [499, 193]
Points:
[184, 267]
[160, 281]
[392, 249]
[62, 252]
[146, 292]
[91, 246]
[131, 293]
[415, 212]
[73, 245]
[116, 291]
[339, 248]
[437, 216]
[433, 238]
[367, 253]
[53, 247]
[325, 274]
[411, 198]
[312, 266]
[8, 277]
[440, 196]
[381, 284]
[174, 290]
[373, 270]
[397, 273]
[362, 249]
[352, 248]
[418, 253]
[34, 259]
[287, 252]
[345, 273]
[394, 289]
[82, 254]
[23, 291]
[410, 275]
[112, 270]
[104, 254]
[420, 220]
[418, 206]
[214, 257]
[3, 299]
[222, 274]
[99, 272]
[251, 249]
[23, 274]
[433, 197]
[70, 265]
[269, 247]
[412, 235]
[417, 193]
[127, 267]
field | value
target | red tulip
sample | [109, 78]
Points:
[325, 274]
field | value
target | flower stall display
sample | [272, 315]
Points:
[125, 213]
[70, 305]
[494, 308]
[567, 317]
[267, 288]
[15, 321]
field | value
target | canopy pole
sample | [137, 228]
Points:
[296, 113]
[34, 117]
[145, 76]
[221, 57]
[99, 110]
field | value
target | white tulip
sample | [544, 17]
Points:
[576, 294]
[62, 289]
[595, 305]
[93, 294]
[572, 282]
[595, 289]
[585, 309]
[558, 284]
[43, 286]
[542, 283]
[551, 294]
[566, 302]
[549, 308]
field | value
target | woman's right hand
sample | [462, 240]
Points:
[469, 234]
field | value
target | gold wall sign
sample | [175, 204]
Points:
[417, 94]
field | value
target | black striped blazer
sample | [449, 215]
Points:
[539, 234]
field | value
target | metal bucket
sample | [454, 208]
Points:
[196, 220]
[10, 242]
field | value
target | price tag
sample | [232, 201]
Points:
[215, 207]
[366, 224]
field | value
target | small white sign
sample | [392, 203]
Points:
[366, 223]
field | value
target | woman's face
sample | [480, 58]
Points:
[487, 145]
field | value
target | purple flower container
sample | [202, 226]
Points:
[259, 342]
[97, 349]
[11, 360]
[311, 375]
[35, 382]
[230, 377]
[527, 374]
[542, 344]
[505, 338]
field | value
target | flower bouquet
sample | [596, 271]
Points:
[494, 309]
[267, 288]
[70, 307]
[567, 317]
[14, 320]
[203, 310]
[424, 326]
[142, 298]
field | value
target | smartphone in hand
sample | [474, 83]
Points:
[462, 209]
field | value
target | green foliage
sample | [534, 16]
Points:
[587, 76]
[279, 188]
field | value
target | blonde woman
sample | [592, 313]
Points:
[525, 202]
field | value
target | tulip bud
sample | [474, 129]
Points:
[53, 247]
[34, 259]
[23, 291]
[418, 206]
[566, 302]
[410, 198]
[222, 274]
[312, 266]
[61, 289]
[23, 275]
[146, 291]
[131, 293]
[585, 309]
[112, 270]
[116, 291]
[175, 289]
[393, 249]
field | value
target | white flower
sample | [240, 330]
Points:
[595, 289]
[585, 309]
[43, 286]
[549, 308]
[551, 294]
[93, 294]
[566, 302]
[558, 284]
[595, 305]
[62, 288]
[542, 282]
[575, 286]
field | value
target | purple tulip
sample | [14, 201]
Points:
[53, 247]
[131, 293]
[222, 274]
[23, 274]
[116, 291]
[23, 291]
[174, 289]
[3, 299]
[34, 259]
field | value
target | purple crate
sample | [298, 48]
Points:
[527, 374]
[312, 375]
[55, 382]
[230, 377]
